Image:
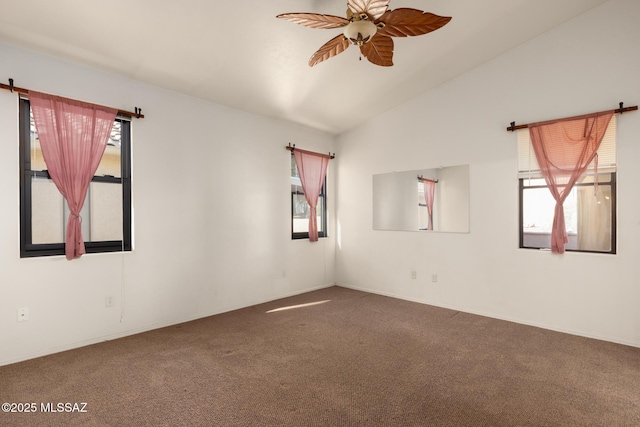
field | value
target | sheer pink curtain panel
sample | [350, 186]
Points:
[429, 195]
[312, 169]
[73, 136]
[564, 149]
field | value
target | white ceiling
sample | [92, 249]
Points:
[236, 53]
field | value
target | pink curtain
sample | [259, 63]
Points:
[312, 169]
[429, 194]
[564, 149]
[73, 136]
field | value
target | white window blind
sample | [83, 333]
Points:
[528, 165]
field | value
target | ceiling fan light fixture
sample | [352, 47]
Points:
[359, 32]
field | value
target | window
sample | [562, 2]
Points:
[590, 215]
[300, 207]
[106, 214]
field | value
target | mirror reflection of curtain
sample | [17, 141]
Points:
[594, 219]
[429, 194]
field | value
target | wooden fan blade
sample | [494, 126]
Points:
[406, 22]
[374, 8]
[379, 50]
[330, 49]
[315, 20]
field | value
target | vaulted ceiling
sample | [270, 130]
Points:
[236, 53]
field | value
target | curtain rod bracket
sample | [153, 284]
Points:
[11, 85]
[513, 127]
[138, 112]
[621, 107]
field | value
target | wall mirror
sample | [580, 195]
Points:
[424, 200]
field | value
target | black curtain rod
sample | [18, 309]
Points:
[620, 110]
[10, 87]
[421, 178]
[293, 147]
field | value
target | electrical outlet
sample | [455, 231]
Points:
[23, 314]
[413, 275]
[434, 277]
[108, 301]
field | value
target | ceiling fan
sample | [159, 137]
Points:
[370, 25]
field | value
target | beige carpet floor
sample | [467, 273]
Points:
[356, 359]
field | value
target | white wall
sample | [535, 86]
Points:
[211, 198]
[588, 64]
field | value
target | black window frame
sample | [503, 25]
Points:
[29, 249]
[323, 193]
[612, 183]
[423, 205]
